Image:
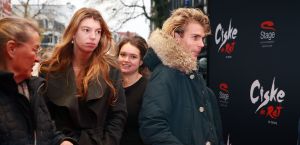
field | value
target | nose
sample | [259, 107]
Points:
[201, 43]
[37, 58]
[126, 58]
[93, 35]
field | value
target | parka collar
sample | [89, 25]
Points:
[170, 53]
[65, 81]
[7, 82]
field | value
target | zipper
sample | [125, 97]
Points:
[34, 134]
[37, 93]
[38, 90]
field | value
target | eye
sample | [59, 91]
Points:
[85, 30]
[98, 31]
[37, 50]
[133, 56]
[195, 38]
[122, 54]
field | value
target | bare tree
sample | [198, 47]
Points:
[160, 11]
[122, 11]
[48, 10]
[132, 11]
[23, 8]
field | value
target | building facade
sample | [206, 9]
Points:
[51, 18]
[5, 8]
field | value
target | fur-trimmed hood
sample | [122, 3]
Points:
[170, 53]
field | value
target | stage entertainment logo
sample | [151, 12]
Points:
[269, 101]
[223, 95]
[267, 34]
[226, 39]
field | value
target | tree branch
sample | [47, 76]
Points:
[138, 6]
[126, 20]
[130, 6]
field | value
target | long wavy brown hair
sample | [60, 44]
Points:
[100, 61]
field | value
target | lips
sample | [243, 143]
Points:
[90, 44]
[125, 66]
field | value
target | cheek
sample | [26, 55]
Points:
[185, 46]
[137, 63]
[31, 57]
[191, 44]
[98, 39]
[120, 59]
[80, 38]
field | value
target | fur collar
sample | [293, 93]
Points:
[170, 53]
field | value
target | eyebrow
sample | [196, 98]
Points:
[197, 35]
[90, 27]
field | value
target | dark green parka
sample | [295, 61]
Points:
[178, 108]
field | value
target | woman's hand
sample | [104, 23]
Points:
[66, 143]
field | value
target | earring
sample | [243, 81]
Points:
[72, 41]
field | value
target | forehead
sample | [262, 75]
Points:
[90, 22]
[128, 47]
[194, 28]
[34, 38]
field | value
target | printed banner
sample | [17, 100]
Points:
[253, 67]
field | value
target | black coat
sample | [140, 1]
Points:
[134, 96]
[92, 121]
[24, 122]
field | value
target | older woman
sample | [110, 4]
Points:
[24, 116]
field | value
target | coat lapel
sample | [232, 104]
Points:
[62, 88]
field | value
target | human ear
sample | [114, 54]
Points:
[177, 37]
[11, 48]
[141, 63]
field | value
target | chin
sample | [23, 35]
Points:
[195, 56]
[29, 74]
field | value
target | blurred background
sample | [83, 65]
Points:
[124, 17]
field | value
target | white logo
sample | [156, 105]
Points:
[265, 96]
[267, 35]
[223, 99]
[223, 36]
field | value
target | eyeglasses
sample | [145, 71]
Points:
[37, 49]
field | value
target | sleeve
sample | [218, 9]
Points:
[156, 109]
[57, 136]
[117, 114]
[60, 137]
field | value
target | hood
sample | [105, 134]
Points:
[170, 53]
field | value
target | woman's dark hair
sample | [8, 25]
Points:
[137, 41]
